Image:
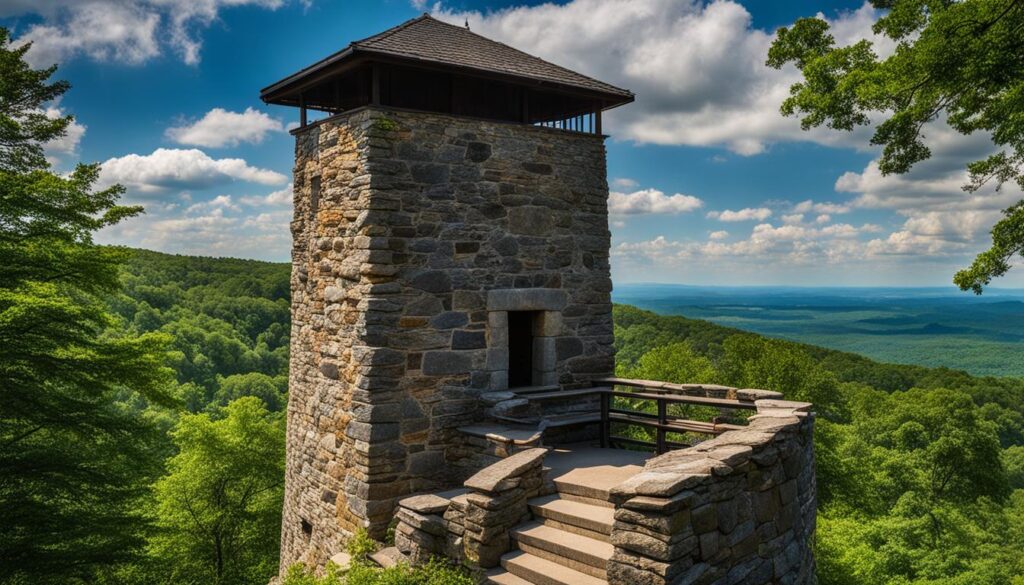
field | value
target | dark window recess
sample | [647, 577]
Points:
[520, 348]
[314, 197]
[415, 89]
[482, 98]
[307, 528]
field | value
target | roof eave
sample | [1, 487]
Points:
[625, 100]
[275, 89]
[611, 96]
[278, 90]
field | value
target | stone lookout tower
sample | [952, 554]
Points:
[452, 321]
[450, 242]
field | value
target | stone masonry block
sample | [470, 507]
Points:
[527, 299]
[548, 324]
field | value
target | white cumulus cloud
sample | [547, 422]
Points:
[282, 196]
[214, 227]
[220, 127]
[810, 206]
[940, 217]
[651, 201]
[746, 214]
[168, 168]
[118, 30]
[767, 245]
[64, 146]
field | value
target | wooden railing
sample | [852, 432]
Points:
[662, 423]
[662, 395]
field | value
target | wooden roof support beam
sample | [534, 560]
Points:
[375, 85]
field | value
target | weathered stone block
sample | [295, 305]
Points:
[478, 152]
[527, 299]
[429, 174]
[428, 523]
[371, 432]
[450, 320]
[426, 463]
[440, 363]
[490, 477]
[426, 504]
[432, 281]
[704, 518]
[469, 340]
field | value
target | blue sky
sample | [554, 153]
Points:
[710, 184]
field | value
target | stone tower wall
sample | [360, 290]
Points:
[414, 233]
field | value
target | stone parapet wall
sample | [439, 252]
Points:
[739, 508]
[472, 526]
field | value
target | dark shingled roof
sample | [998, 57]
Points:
[428, 39]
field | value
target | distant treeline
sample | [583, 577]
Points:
[981, 336]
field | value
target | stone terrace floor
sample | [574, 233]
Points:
[580, 464]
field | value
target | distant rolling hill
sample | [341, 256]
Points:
[923, 326]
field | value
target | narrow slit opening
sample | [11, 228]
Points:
[520, 348]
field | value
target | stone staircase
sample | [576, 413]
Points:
[568, 540]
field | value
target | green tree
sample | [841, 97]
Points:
[270, 390]
[751, 361]
[218, 510]
[73, 460]
[927, 493]
[1013, 459]
[675, 362]
[963, 61]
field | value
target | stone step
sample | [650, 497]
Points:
[573, 419]
[581, 518]
[539, 571]
[563, 394]
[500, 576]
[585, 500]
[580, 553]
[522, 390]
[586, 483]
[516, 435]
